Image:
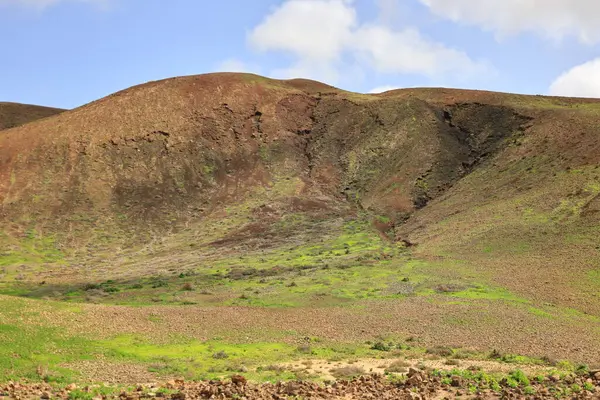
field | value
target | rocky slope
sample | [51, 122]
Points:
[15, 114]
[257, 190]
[159, 151]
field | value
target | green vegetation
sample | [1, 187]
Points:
[33, 248]
[180, 243]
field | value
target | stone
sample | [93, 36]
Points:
[238, 380]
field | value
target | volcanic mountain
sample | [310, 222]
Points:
[235, 180]
[15, 114]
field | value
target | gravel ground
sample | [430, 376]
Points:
[479, 325]
[417, 385]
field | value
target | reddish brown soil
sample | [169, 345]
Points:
[505, 184]
[15, 114]
[418, 385]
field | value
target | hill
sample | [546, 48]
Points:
[15, 114]
[262, 217]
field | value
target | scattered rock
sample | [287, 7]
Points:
[457, 381]
[419, 385]
[238, 380]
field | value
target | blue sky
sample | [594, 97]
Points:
[65, 53]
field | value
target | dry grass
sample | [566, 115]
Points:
[347, 372]
[398, 366]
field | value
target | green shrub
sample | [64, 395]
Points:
[80, 395]
[529, 390]
[520, 377]
[582, 370]
[220, 355]
[380, 346]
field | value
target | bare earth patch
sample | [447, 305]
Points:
[112, 372]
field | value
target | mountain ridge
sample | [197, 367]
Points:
[16, 114]
[261, 193]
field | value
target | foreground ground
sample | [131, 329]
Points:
[203, 227]
[415, 384]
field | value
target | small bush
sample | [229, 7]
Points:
[564, 364]
[495, 355]
[80, 395]
[398, 366]
[187, 287]
[520, 377]
[380, 346]
[529, 391]
[304, 349]
[91, 286]
[220, 355]
[510, 382]
[348, 372]
[582, 370]
[589, 387]
[136, 286]
[440, 351]
[278, 369]
[159, 283]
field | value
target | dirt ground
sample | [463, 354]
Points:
[416, 384]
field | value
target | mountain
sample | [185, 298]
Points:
[15, 114]
[261, 192]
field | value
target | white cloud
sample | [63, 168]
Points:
[554, 19]
[388, 10]
[407, 51]
[317, 30]
[325, 38]
[381, 89]
[580, 81]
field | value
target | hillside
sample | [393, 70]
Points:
[239, 212]
[15, 114]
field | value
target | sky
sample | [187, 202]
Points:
[65, 53]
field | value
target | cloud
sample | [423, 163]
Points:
[408, 52]
[553, 19]
[388, 10]
[580, 81]
[325, 38]
[316, 30]
[381, 89]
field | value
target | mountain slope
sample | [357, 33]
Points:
[15, 114]
[233, 189]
